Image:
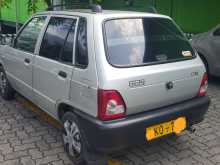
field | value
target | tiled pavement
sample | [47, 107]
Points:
[25, 139]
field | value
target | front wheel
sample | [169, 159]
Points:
[75, 143]
[6, 91]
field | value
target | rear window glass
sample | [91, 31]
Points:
[141, 41]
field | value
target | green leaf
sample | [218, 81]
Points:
[5, 3]
[99, 1]
[32, 6]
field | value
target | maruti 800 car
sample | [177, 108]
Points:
[113, 79]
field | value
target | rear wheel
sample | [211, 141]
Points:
[75, 143]
[6, 91]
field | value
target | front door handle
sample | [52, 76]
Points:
[27, 60]
[62, 74]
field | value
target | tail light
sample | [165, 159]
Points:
[110, 105]
[204, 86]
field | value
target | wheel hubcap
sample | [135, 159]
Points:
[3, 82]
[72, 138]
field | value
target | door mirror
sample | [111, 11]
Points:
[7, 39]
[13, 40]
[27, 38]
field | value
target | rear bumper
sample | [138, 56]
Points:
[112, 136]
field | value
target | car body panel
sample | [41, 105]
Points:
[152, 93]
[18, 71]
[81, 86]
[84, 82]
[48, 86]
[130, 131]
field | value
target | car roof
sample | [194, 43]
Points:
[104, 13]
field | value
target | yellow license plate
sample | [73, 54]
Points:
[174, 126]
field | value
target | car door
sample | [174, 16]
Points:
[53, 67]
[19, 58]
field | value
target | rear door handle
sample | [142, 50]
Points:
[62, 74]
[27, 60]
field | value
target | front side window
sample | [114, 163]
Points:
[141, 41]
[55, 37]
[27, 38]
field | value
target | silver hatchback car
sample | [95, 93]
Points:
[113, 79]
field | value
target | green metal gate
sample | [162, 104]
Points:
[192, 15]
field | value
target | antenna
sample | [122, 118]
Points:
[152, 10]
[96, 8]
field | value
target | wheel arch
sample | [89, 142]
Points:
[64, 107]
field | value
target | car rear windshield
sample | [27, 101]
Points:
[143, 41]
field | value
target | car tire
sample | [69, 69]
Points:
[6, 91]
[75, 143]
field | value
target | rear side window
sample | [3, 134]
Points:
[142, 41]
[81, 45]
[55, 37]
[67, 52]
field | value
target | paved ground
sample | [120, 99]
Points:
[26, 139]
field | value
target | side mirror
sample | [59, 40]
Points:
[13, 39]
[7, 39]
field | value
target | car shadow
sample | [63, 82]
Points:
[214, 81]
